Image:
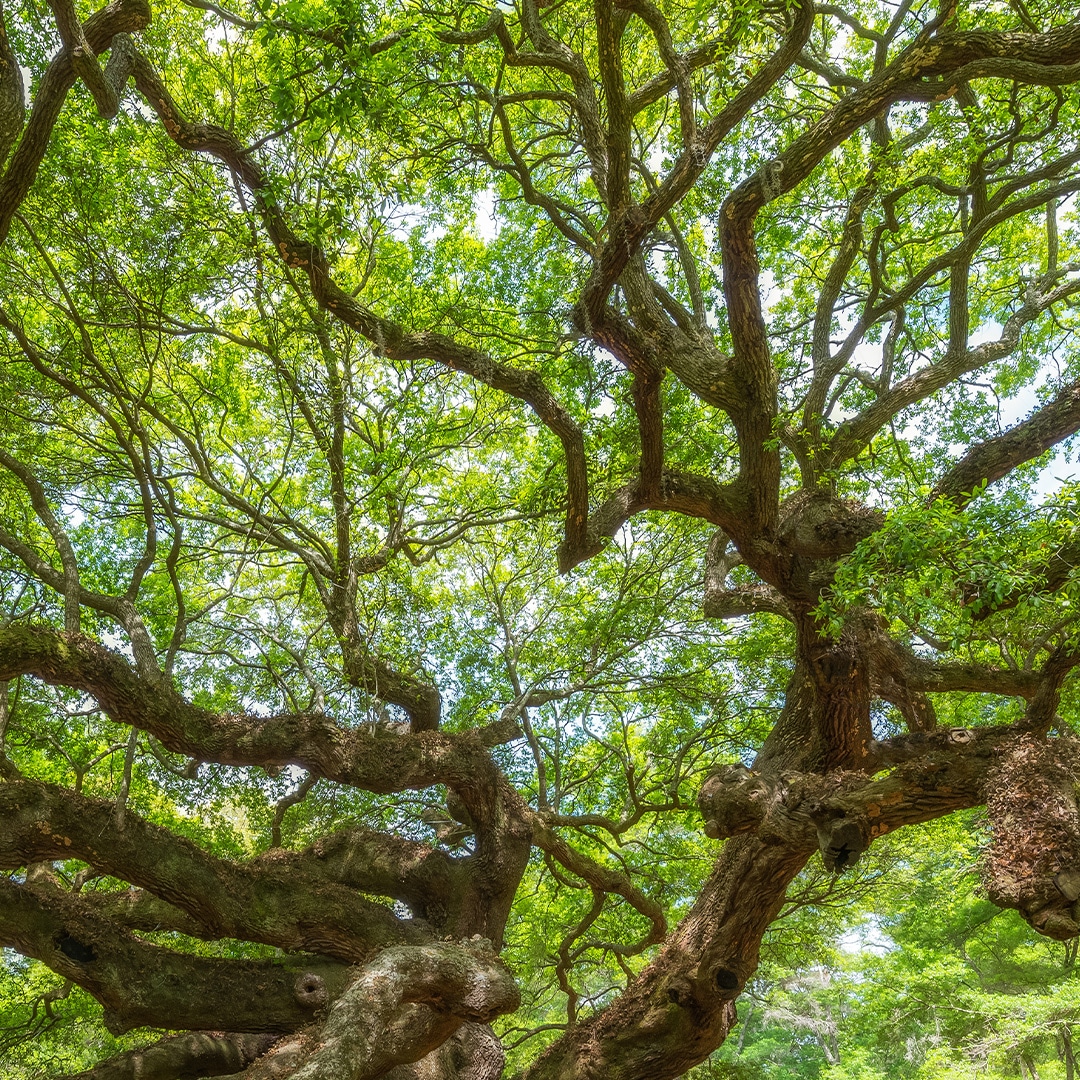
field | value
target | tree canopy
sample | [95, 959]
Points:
[504, 507]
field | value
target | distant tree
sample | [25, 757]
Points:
[454, 456]
[925, 978]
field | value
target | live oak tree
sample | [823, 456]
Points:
[460, 462]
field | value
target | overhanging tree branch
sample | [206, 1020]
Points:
[194, 1054]
[390, 339]
[119, 17]
[251, 902]
[145, 985]
[989, 461]
[378, 761]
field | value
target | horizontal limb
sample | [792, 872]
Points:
[209, 1053]
[262, 902]
[144, 985]
[382, 762]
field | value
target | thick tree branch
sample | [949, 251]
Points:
[1033, 861]
[105, 86]
[379, 761]
[610, 25]
[145, 985]
[744, 600]
[627, 227]
[119, 17]
[940, 772]
[136, 909]
[210, 1053]
[263, 902]
[387, 336]
[720, 602]
[12, 104]
[438, 887]
[991, 460]
[403, 1005]
[892, 662]
[681, 492]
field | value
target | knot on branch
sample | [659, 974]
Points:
[841, 841]
[789, 808]
[771, 175]
[818, 525]
[310, 991]
[1033, 861]
[734, 800]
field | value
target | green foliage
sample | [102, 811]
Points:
[232, 460]
[918, 977]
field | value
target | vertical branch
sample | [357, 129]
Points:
[585, 105]
[5, 715]
[567, 956]
[125, 779]
[104, 86]
[1051, 237]
[676, 65]
[755, 415]
[12, 103]
[691, 274]
[610, 25]
[68, 562]
[519, 709]
[645, 391]
[825, 366]
[294, 798]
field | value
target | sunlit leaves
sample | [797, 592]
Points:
[945, 574]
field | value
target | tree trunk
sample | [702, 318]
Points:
[681, 1007]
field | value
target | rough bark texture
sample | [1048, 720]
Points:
[401, 1010]
[1033, 862]
[183, 1056]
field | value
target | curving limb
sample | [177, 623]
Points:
[391, 339]
[12, 103]
[260, 470]
[143, 985]
[402, 1006]
[99, 30]
[378, 761]
[192, 1055]
[105, 86]
[989, 461]
[257, 902]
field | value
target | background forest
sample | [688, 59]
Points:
[524, 524]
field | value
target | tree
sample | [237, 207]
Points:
[927, 978]
[454, 456]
